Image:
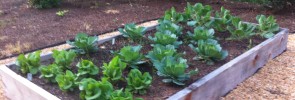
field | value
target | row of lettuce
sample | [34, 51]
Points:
[169, 64]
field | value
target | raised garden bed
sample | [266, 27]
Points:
[211, 82]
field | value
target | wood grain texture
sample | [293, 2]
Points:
[210, 87]
[219, 82]
[18, 88]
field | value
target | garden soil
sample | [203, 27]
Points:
[24, 29]
[19, 23]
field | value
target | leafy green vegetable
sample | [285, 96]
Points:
[240, 30]
[166, 39]
[222, 20]
[173, 70]
[61, 13]
[210, 51]
[173, 16]
[114, 69]
[200, 15]
[131, 55]
[201, 33]
[121, 95]
[87, 68]
[29, 64]
[160, 51]
[84, 44]
[267, 26]
[168, 26]
[95, 90]
[138, 82]
[133, 32]
[66, 81]
[63, 58]
[50, 72]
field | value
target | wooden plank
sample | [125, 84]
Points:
[212, 86]
[219, 82]
[18, 88]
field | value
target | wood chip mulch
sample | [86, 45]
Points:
[275, 81]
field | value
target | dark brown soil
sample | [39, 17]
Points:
[24, 29]
[39, 28]
[158, 89]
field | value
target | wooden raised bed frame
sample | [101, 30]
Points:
[211, 87]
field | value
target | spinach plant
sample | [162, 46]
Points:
[240, 30]
[50, 72]
[29, 64]
[173, 70]
[201, 33]
[210, 51]
[95, 90]
[63, 58]
[84, 44]
[267, 26]
[173, 16]
[160, 51]
[200, 15]
[131, 55]
[138, 82]
[166, 38]
[114, 69]
[66, 81]
[87, 68]
[169, 26]
[222, 20]
[133, 32]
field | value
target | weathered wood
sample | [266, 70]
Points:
[18, 88]
[227, 77]
[210, 87]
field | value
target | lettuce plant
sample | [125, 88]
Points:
[87, 68]
[121, 95]
[84, 44]
[173, 16]
[210, 51]
[222, 20]
[29, 64]
[169, 26]
[63, 58]
[160, 51]
[133, 32]
[95, 90]
[66, 81]
[267, 26]
[201, 33]
[50, 72]
[200, 15]
[138, 82]
[173, 70]
[114, 69]
[131, 55]
[166, 38]
[240, 30]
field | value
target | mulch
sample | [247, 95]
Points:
[39, 28]
[275, 81]
[24, 29]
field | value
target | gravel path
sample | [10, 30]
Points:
[276, 80]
